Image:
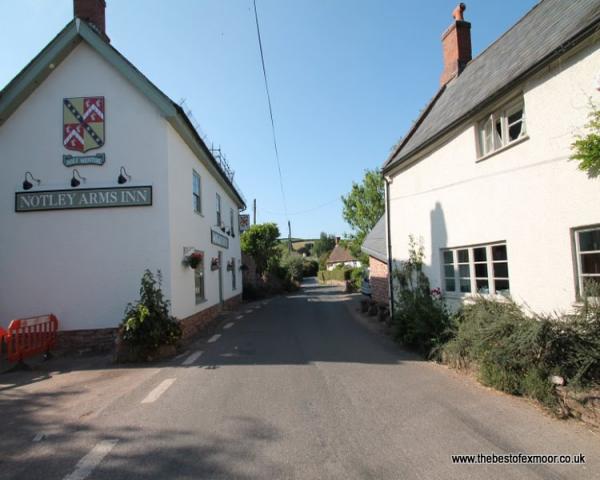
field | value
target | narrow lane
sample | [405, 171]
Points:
[298, 388]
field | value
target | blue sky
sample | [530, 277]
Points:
[347, 78]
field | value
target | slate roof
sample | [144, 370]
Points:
[340, 254]
[544, 33]
[374, 243]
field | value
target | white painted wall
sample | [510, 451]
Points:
[82, 265]
[190, 229]
[529, 195]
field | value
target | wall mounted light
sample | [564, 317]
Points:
[124, 177]
[27, 184]
[74, 181]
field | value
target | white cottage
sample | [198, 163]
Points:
[484, 178]
[103, 176]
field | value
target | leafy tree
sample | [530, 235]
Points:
[363, 207]
[261, 242]
[586, 149]
[323, 245]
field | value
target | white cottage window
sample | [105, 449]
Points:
[480, 269]
[196, 193]
[587, 247]
[501, 128]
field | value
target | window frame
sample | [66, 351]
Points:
[197, 197]
[458, 279]
[231, 224]
[502, 141]
[219, 216]
[579, 275]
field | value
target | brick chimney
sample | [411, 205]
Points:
[456, 43]
[337, 240]
[92, 11]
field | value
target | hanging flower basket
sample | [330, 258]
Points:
[230, 266]
[214, 264]
[193, 259]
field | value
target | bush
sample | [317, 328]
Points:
[293, 266]
[147, 324]
[517, 353]
[310, 268]
[338, 274]
[421, 320]
[356, 278]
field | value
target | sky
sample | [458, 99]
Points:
[347, 78]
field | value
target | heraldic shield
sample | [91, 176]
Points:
[83, 123]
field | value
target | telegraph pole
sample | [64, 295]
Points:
[289, 237]
[254, 209]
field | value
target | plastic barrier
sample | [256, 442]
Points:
[27, 337]
[2, 334]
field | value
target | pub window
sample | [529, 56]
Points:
[587, 247]
[199, 281]
[196, 195]
[501, 128]
[480, 269]
[218, 210]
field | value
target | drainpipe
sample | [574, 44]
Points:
[388, 245]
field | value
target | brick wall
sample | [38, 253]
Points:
[378, 278]
[196, 323]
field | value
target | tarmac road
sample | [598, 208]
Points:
[292, 388]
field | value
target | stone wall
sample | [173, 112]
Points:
[195, 324]
[379, 279]
[90, 340]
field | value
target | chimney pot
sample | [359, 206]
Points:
[456, 44]
[92, 12]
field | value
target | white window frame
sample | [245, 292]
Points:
[231, 224]
[219, 216]
[578, 254]
[501, 141]
[472, 276]
[197, 196]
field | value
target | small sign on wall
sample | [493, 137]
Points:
[111, 197]
[219, 240]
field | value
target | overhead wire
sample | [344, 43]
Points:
[262, 59]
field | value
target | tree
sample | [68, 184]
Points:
[587, 149]
[363, 207]
[261, 242]
[324, 244]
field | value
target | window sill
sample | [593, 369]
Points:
[200, 214]
[474, 296]
[503, 149]
[201, 301]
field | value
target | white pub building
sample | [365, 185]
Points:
[128, 185]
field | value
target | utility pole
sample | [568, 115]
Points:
[254, 209]
[289, 237]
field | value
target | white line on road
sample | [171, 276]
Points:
[214, 338]
[39, 437]
[87, 464]
[192, 358]
[239, 317]
[248, 311]
[228, 325]
[158, 391]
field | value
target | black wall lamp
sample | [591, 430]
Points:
[27, 184]
[74, 181]
[124, 177]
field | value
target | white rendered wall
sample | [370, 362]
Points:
[82, 265]
[529, 195]
[190, 229]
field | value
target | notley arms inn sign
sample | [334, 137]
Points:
[84, 198]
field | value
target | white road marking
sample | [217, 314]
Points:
[192, 358]
[239, 317]
[228, 325]
[39, 437]
[248, 311]
[158, 391]
[87, 464]
[214, 338]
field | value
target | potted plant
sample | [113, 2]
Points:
[214, 263]
[230, 265]
[194, 259]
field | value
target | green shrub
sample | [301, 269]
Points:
[341, 275]
[356, 278]
[147, 324]
[421, 319]
[293, 266]
[310, 268]
[517, 353]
